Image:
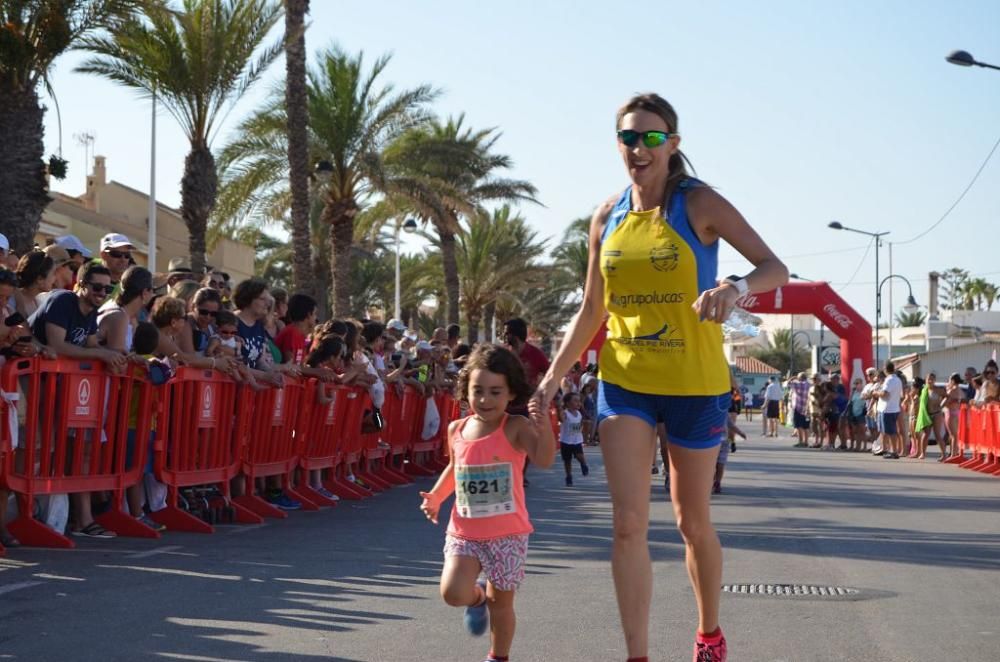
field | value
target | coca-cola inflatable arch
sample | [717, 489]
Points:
[814, 298]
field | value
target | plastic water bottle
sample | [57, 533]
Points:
[741, 324]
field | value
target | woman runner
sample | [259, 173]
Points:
[652, 271]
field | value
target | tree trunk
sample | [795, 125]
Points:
[450, 273]
[473, 335]
[23, 189]
[298, 141]
[199, 187]
[320, 285]
[339, 217]
[489, 314]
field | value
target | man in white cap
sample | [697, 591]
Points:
[396, 329]
[116, 255]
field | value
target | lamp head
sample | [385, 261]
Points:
[323, 171]
[911, 305]
[961, 58]
[835, 225]
[409, 226]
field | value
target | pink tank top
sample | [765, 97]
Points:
[489, 487]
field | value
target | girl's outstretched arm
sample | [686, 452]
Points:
[445, 485]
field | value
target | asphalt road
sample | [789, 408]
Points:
[919, 543]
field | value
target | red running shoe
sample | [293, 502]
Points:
[710, 649]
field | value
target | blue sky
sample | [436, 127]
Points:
[798, 112]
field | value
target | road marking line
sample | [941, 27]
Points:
[10, 588]
[154, 552]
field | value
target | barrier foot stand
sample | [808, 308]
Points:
[972, 461]
[415, 469]
[371, 479]
[385, 471]
[990, 466]
[981, 461]
[259, 506]
[956, 459]
[306, 498]
[306, 492]
[345, 489]
[33, 533]
[125, 525]
[176, 519]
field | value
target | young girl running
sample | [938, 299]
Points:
[571, 436]
[489, 524]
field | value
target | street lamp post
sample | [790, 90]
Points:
[878, 299]
[409, 226]
[910, 307]
[791, 350]
[964, 59]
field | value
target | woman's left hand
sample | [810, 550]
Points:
[714, 305]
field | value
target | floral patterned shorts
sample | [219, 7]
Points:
[503, 559]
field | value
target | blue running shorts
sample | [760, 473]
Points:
[692, 421]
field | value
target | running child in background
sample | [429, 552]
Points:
[571, 436]
[489, 525]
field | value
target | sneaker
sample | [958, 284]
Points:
[283, 501]
[709, 651]
[656, 469]
[477, 618]
[151, 523]
[94, 530]
[732, 446]
[569, 481]
[585, 470]
[322, 491]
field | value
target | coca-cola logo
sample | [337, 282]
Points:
[840, 318]
[747, 302]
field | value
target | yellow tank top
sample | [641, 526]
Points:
[654, 268]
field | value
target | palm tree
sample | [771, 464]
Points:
[350, 124]
[573, 252]
[32, 36]
[990, 294]
[781, 345]
[297, 105]
[464, 167]
[198, 61]
[916, 318]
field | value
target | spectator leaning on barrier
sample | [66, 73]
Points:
[169, 316]
[253, 301]
[991, 385]
[35, 275]
[116, 254]
[78, 253]
[67, 324]
[201, 318]
[215, 280]
[293, 340]
[970, 387]
[118, 318]
[62, 275]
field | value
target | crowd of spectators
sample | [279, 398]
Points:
[884, 412]
[64, 301]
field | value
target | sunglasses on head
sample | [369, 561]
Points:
[207, 313]
[630, 138]
[98, 288]
[118, 255]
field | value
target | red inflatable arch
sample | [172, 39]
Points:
[814, 298]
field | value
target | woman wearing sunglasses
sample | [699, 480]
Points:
[652, 275]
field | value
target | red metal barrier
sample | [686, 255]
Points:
[355, 402]
[319, 433]
[428, 456]
[198, 442]
[981, 425]
[377, 457]
[409, 417]
[71, 435]
[270, 448]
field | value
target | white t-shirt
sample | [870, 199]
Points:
[773, 391]
[894, 388]
[571, 430]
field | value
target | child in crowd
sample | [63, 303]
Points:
[856, 407]
[327, 355]
[588, 400]
[571, 436]
[489, 524]
[226, 341]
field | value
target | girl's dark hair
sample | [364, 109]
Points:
[955, 378]
[568, 397]
[135, 281]
[918, 383]
[225, 318]
[500, 360]
[145, 338]
[328, 348]
[32, 266]
[657, 105]
[351, 334]
[206, 295]
[372, 331]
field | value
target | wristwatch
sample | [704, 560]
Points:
[740, 283]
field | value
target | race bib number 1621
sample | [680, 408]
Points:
[484, 490]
